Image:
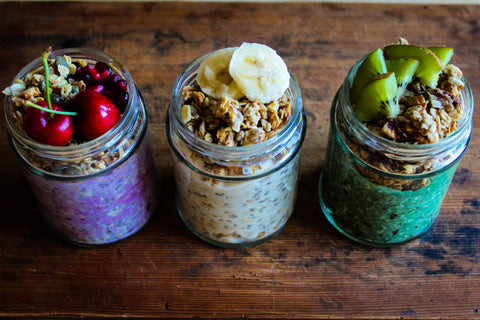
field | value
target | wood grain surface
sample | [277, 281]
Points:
[309, 271]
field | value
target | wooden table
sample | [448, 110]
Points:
[309, 270]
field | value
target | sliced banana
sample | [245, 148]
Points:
[260, 72]
[214, 78]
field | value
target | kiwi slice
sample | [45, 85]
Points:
[404, 70]
[430, 65]
[378, 98]
[443, 53]
[373, 65]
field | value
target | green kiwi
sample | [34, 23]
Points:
[404, 70]
[378, 98]
[443, 53]
[373, 65]
[430, 65]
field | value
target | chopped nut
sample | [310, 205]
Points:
[186, 113]
[389, 130]
[240, 135]
[273, 106]
[274, 120]
[226, 137]
[31, 93]
[201, 129]
[63, 70]
[37, 80]
[197, 97]
[251, 114]
[266, 125]
[208, 137]
[253, 136]
[15, 89]
[285, 112]
[227, 109]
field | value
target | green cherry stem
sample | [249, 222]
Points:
[45, 54]
[67, 113]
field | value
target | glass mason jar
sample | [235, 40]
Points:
[98, 192]
[379, 208]
[254, 201]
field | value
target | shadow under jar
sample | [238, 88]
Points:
[376, 206]
[235, 196]
[97, 192]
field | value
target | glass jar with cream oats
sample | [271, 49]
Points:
[236, 181]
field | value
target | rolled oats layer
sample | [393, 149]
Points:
[233, 212]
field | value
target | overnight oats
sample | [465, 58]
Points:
[236, 125]
[400, 123]
[82, 139]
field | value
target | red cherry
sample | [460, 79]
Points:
[121, 100]
[112, 79]
[96, 87]
[97, 114]
[48, 128]
[119, 97]
[121, 85]
[89, 74]
[104, 70]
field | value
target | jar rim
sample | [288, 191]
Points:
[240, 152]
[366, 134]
[61, 152]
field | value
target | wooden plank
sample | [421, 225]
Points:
[309, 271]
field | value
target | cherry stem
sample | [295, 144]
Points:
[45, 54]
[67, 113]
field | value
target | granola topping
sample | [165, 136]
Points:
[426, 115]
[230, 122]
[32, 86]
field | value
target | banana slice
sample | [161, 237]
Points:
[260, 72]
[214, 78]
